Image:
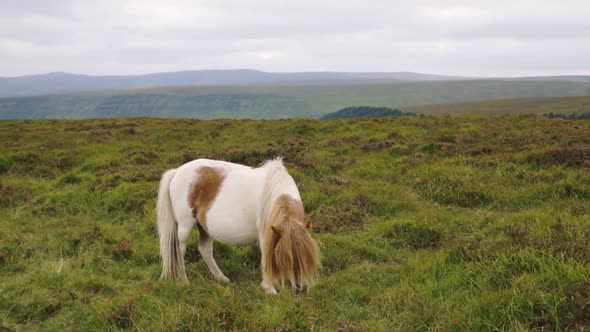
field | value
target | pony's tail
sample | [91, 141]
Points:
[172, 260]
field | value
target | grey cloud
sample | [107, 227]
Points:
[447, 37]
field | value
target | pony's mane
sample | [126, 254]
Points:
[290, 252]
[276, 180]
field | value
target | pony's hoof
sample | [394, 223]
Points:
[268, 288]
[222, 279]
[271, 291]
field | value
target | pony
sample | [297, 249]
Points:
[238, 205]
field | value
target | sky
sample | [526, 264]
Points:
[470, 38]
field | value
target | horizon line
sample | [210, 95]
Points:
[293, 72]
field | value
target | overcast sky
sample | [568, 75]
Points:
[475, 38]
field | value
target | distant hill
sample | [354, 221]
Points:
[366, 111]
[272, 102]
[572, 78]
[58, 82]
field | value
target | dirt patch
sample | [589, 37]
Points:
[119, 125]
[122, 250]
[250, 157]
[222, 124]
[227, 318]
[70, 178]
[189, 155]
[338, 180]
[565, 241]
[293, 147]
[100, 132]
[99, 135]
[46, 210]
[347, 327]
[415, 236]
[142, 157]
[79, 127]
[5, 254]
[10, 195]
[479, 150]
[337, 219]
[375, 145]
[344, 141]
[294, 152]
[572, 314]
[519, 234]
[573, 156]
[447, 139]
[111, 177]
[121, 316]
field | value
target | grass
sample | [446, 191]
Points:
[432, 223]
[275, 102]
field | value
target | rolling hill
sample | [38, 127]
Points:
[271, 102]
[60, 82]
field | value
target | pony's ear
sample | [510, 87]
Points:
[275, 230]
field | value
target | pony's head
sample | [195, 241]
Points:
[291, 254]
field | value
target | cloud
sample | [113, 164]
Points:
[492, 38]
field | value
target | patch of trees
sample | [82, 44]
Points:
[366, 111]
[571, 116]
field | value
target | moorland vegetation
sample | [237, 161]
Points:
[424, 223]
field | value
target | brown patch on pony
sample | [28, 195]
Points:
[292, 208]
[204, 191]
[290, 253]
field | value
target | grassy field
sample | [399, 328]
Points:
[432, 223]
[509, 106]
[274, 102]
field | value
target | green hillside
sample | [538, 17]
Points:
[463, 223]
[270, 102]
[509, 106]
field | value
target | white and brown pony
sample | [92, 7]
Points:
[238, 205]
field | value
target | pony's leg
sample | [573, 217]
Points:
[206, 249]
[266, 284]
[185, 227]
